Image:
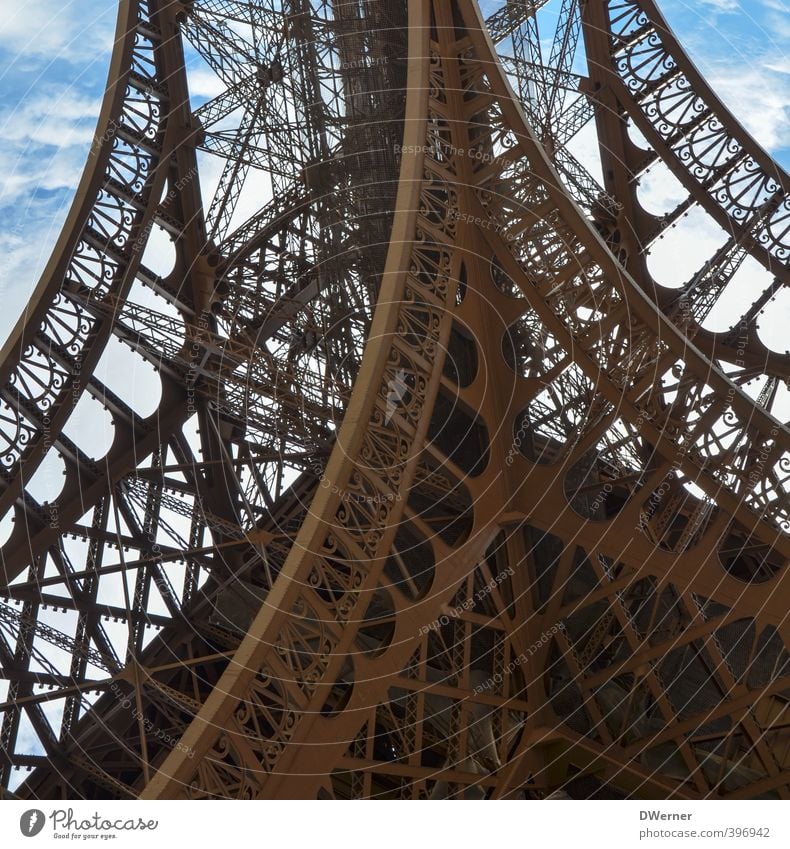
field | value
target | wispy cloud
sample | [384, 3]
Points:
[53, 61]
[759, 96]
[44, 141]
[721, 5]
[776, 5]
[35, 30]
[57, 115]
[743, 56]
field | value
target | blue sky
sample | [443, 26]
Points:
[54, 57]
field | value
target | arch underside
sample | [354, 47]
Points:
[533, 535]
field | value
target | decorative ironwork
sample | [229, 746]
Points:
[443, 496]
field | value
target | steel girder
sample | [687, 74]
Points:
[373, 599]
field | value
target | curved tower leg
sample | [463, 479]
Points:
[444, 496]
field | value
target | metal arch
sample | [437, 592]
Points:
[616, 209]
[638, 70]
[512, 572]
[240, 765]
[101, 245]
[764, 177]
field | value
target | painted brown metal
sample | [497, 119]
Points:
[538, 536]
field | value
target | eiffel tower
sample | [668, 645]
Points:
[425, 487]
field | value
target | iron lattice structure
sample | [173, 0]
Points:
[443, 494]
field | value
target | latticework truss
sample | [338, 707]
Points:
[433, 490]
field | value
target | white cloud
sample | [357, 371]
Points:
[743, 56]
[58, 115]
[778, 27]
[659, 191]
[721, 5]
[54, 65]
[684, 248]
[25, 244]
[44, 143]
[780, 66]
[759, 97]
[40, 29]
[204, 84]
[776, 5]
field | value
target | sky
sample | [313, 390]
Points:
[55, 56]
